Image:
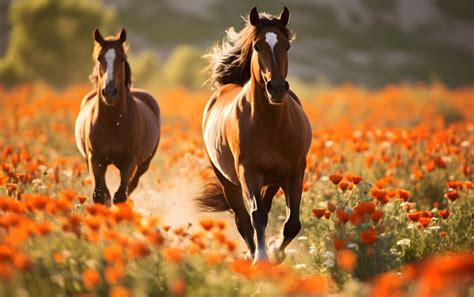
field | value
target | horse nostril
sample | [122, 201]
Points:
[287, 86]
[269, 86]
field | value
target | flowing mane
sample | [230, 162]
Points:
[94, 76]
[229, 62]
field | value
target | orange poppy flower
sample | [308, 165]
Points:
[114, 273]
[318, 212]
[444, 213]
[443, 234]
[58, 257]
[364, 207]
[306, 186]
[91, 278]
[424, 222]
[243, 267]
[138, 249]
[81, 199]
[231, 245]
[356, 179]
[338, 243]
[174, 255]
[178, 287]
[207, 224]
[404, 194]
[214, 258]
[335, 178]
[369, 236]
[119, 291]
[356, 218]
[92, 222]
[221, 225]
[346, 259]
[452, 195]
[113, 253]
[343, 186]
[376, 215]
[327, 214]
[414, 216]
[342, 216]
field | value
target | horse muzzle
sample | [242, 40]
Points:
[109, 94]
[277, 91]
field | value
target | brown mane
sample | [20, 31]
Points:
[94, 76]
[229, 62]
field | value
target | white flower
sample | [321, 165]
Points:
[302, 238]
[300, 266]
[352, 246]
[404, 242]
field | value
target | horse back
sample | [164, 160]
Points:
[146, 98]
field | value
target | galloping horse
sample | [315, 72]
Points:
[116, 124]
[255, 131]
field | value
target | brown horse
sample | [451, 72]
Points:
[255, 131]
[116, 124]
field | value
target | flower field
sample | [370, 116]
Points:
[387, 207]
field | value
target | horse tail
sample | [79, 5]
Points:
[212, 198]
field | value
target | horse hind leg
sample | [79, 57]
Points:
[141, 169]
[126, 171]
[233, 196]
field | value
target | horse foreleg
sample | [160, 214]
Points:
[251, 186]
[233, 196]
[127, 169]
[292, 226]
[101, 193]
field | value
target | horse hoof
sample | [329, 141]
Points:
[259, 258]
[276, 255]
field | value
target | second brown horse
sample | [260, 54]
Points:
[116, 125]
[256, 133]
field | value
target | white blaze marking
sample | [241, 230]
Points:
[272, 39]
[109, 58]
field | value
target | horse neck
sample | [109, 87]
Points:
[117, 111]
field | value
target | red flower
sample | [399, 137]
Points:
[414, 216]
[444, 213]
[318, 212]
[342, 216]
[335, 178]
[452, 195]
[356, 179]
[369, 236]
[376, 215]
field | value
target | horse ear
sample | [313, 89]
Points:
[123, 35]
[285, 16]
[97, 36]
[254, 17]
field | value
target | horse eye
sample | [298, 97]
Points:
[256, 48]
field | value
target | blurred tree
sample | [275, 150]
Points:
[145, 67]
[184, 67]
[51, 40]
